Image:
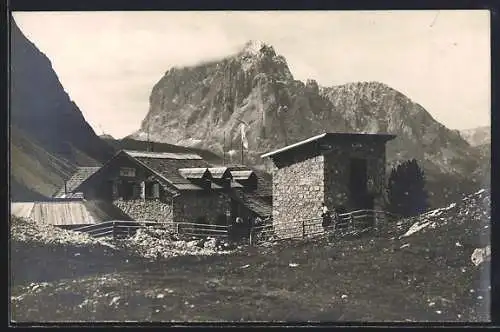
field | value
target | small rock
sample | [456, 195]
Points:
[160, 296]
[404, 246]
[431, 304]
[77, 254]
[245, 266]
[293, 264]
[438, 312]
[114, 300]
[472, 291]
[458, 244]
[344, 296]
[479, 297]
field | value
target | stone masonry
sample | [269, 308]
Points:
[337, 172]
[146, 210]
[201, 207]
[305, 177]
[298, 191]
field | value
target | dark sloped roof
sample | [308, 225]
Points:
[264, 179]
[169, 168]
[253, 203]
[331, 136]
[81, 174]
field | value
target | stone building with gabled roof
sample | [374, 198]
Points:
[172, 187]
[346, 171]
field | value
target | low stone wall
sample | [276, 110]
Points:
[139, 209]
[201, 207]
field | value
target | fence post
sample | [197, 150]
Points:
[250, 235]
[114, 230]
[351, 223]
[303, 228]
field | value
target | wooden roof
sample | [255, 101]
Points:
[81, 174]
[219, 172]
[177, 173]
[264, 180]
[242, 175]
[169, 168]
[63, 213]
[194, 173]
[162, 155]
[253, 202]
[332, 137]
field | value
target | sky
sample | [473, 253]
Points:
[108, 62]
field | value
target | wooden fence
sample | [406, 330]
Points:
[123, 229]
[347, 223]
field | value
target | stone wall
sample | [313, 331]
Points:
[149, 209]
[337, 173]
[201, 207]
[302, 181]
[298, 192]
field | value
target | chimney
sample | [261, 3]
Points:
[65, 188]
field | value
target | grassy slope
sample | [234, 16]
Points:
[33, 169]
[425, 276]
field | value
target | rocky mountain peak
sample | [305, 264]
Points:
[201, 106]
[257, 48]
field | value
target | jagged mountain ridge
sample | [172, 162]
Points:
[51, 135]
[201, 106]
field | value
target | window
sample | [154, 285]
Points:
[156, 190]
[152, 190]
[127, 171]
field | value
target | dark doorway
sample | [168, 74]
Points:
[234, 209]
[107, 191]
[358, 184]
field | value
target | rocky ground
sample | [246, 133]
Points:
[418, 269]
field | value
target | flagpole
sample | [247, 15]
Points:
[242, 134]
[224, 150]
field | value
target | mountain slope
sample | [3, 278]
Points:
[477, 136]
[201, 106]
[35, 173]
[50, 129]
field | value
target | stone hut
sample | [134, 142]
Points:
[346, 171]
[170, 187]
